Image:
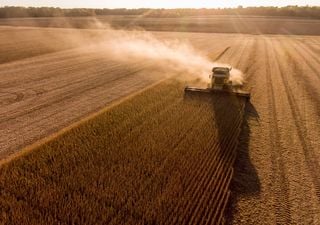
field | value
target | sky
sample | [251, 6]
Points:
[155, 3]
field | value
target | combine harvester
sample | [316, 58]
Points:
[220, 84]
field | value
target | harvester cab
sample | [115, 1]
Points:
[220, 77]
[220, 83]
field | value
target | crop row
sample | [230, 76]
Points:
[156, 158]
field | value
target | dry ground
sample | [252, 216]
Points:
[207, 24]
[277, 172]
[42, 94]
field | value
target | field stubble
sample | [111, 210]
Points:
[206, 24]
[42, 93]
[277, 181]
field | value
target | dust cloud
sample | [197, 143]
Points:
[236, 76]
[170, 55]
[167, 55]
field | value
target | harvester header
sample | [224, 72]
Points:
[220, 83]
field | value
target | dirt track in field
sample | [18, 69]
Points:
[276, 178]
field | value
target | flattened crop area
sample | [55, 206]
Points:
[155, 158]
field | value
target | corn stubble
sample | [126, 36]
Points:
[154, 159]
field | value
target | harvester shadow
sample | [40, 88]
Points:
[245, 182]
[231, 120]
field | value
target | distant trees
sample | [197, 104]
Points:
[7, 12]
[292, 11]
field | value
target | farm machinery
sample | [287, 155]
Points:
[220, 83]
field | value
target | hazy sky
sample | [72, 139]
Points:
[154, 3]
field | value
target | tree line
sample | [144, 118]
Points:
[291, 11]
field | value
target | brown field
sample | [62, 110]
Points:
[157, 158]
[42, 94]
[207, 24]
[130, 165]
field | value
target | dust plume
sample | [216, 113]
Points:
[171, 55]
[168, 55]
[236, 76]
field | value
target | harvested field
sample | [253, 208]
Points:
[40, 95]
[21, 43]
[276, 175]
[207, 24]
[162, 152]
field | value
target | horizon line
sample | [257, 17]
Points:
[235, 7]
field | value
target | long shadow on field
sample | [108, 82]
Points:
[245, 181]
[231, 117]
